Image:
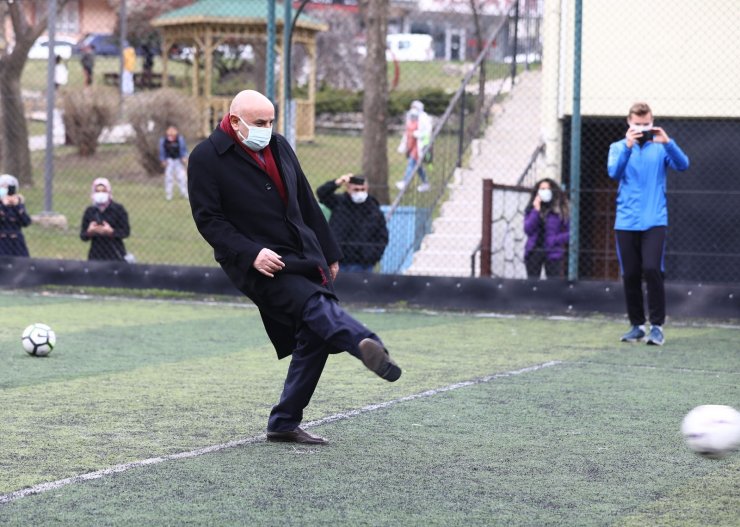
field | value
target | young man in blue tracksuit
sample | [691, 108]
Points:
[639, 163]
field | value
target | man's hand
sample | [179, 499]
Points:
[334, 270]
[342, 180]
[633, 136]
[268, 262]
[659, 135]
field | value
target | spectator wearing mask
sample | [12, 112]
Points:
[173, 153]
[416, 137]
[13, 217]
[105, 224]
[357, 222]
[546, 224]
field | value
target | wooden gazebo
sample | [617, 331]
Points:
[206, 24]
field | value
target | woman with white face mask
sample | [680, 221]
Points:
[546, 224]
[13, 217]
[104, 224]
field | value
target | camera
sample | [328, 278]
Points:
[647, 135]
[11, 190]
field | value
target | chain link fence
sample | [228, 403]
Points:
[490, 110]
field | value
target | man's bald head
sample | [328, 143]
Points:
[253, 107]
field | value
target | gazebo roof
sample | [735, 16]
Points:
[230, 12]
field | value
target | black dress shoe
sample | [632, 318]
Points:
[376, 358]
[299, 435]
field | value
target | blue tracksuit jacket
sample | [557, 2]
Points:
[641, 202]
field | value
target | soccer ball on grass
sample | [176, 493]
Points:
[712, 430]
[38, 339]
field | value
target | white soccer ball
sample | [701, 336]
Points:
[712, 430]
[38, 339]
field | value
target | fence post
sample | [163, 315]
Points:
[461, 135]
[270, 52]
[516, 37]
[575, 149]
[486, 229]
[50, 99]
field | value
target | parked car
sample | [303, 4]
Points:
[62, 46]
[409, 46]
[105, 44]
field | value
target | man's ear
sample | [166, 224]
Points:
[234, 120]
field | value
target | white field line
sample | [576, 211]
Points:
[52, 485]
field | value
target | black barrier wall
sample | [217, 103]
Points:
[546, 297]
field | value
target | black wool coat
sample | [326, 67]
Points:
[106, 247]
[238, 210]
[359, 227]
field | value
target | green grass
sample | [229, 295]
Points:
[34, 72]
[593, 440]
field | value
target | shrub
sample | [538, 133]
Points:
[149, 114]
[329, 100]
[86, 113]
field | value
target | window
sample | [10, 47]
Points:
[68, 20]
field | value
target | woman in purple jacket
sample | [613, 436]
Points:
[546, 226]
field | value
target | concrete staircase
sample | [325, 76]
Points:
[501, 154]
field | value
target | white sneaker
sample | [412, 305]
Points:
[400, 185]
[424, 187]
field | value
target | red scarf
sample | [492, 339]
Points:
[268, 164]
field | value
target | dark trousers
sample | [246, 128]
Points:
[641, 254]
[326, 328]
[536, 259]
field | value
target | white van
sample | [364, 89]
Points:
[409, 46]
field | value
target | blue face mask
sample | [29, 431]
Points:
[3, 192]
[258, 137]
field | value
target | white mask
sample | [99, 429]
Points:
[100, 198]
[258, 137]
[358, 197]
[641, 128]
[545, 195]
[3, 192]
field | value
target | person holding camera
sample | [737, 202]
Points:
[546, 224]
[105, 224]
[13, 217]
[638, 162]
[357, 222]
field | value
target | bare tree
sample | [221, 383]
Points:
[139, 15]
[339, 64]
[375, 100]
[14, 133]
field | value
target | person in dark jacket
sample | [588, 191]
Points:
[104, 224]
[357, 222]
[13, 217]
[546, 224]
[173, 154]
[253, 204]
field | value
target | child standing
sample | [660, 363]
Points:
[173, 153]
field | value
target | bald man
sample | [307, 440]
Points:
[253, 204]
